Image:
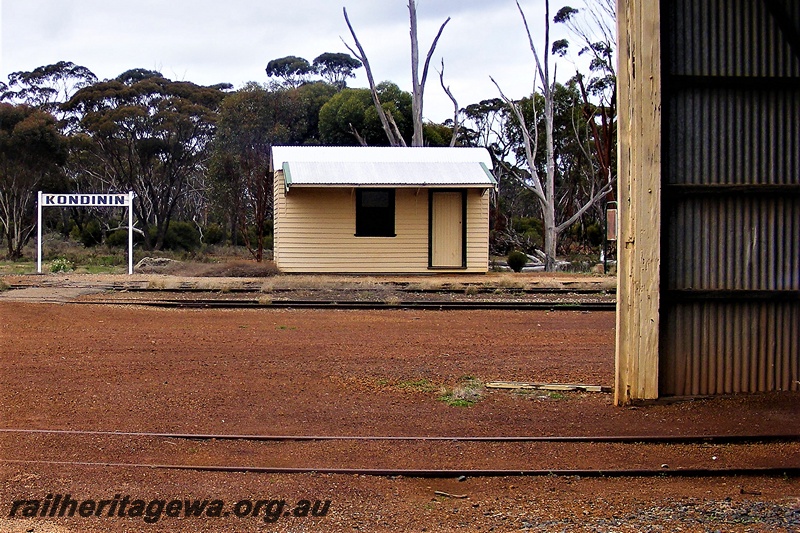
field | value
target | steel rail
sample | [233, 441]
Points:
[441, 473]
[643, 439]
[352, 305]
[403, 288]
[399, 288]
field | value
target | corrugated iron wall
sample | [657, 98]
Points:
[730, 311]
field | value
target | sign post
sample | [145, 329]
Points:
[85, 200]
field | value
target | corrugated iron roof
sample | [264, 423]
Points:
[382, 166]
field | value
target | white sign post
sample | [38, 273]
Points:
[85, 200]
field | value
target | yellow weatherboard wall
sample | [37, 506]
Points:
[315, 232]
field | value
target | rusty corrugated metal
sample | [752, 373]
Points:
[733, 243]
[730, 347]
[730, 314]
[733, 136]
[730, 37]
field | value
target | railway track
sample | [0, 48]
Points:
[426, 456]
[204, 303]
[386, 295]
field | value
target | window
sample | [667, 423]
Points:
[375, 213]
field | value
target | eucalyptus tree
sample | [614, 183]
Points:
[312, 96]
[593, 29]
[293, 70]
[32, 151]
[575, 181]
[350, 117]
[150, 135]
[251, 121]
[47, 87]
[335, 68]
[418, 81]
[541, 178]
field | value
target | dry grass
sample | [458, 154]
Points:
[466, 392]
[232, 269]
[426, 285]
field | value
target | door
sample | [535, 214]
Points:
[447, 230]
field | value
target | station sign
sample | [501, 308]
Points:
[47, 199]
[86, 200]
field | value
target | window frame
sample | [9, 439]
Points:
[370, 221]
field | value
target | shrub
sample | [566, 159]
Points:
[594, 234]
[182, 236]
[214, 234]
[61, 265]
[531, 229]
[90, 235]
[517, 260]
[117, 238]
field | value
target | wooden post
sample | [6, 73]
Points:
[639, 175]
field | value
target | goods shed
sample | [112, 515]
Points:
[709, 190]
[381, 210]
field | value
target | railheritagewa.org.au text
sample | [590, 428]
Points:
[154, 509]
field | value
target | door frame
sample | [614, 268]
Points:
[463, 193]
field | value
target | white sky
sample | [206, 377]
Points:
[208, 42]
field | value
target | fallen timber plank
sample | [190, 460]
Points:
[547, 386]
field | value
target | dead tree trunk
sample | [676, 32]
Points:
[418, 85]
[392, 133]
[545, 192]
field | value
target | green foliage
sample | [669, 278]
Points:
[48, 86]
[32, 153]
[594, 234]
[517, 260]
[214, 234]
[591, 234]
[182, 236]
[437, 134]
[251, 122]
[312, 96]
[342, 115]
[117, 238]
[159, 128]
[61, 264]
[351, 114]
[335, 68]
[90, 235]
[417, 385]
[292, 69]
[530, 228]
[565, 14]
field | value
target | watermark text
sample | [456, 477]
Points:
[153, 510]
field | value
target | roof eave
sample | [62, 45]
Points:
[396, 185]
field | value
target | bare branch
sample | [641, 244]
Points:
[390, 118]
[607, 188]
[418, 86]
[430, 53]
[528, 143]
[362, 56]
[543, 72]
[359, 138]
[455, 105]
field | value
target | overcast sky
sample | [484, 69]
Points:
[214, 41]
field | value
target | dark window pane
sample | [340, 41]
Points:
[375, 199]
[375, 213]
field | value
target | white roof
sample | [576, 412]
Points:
[336, 166]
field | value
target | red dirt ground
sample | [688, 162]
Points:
[363, 373]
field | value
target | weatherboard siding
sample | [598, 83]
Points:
[314, 232]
